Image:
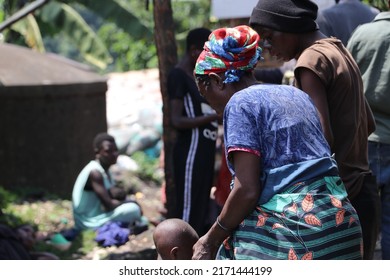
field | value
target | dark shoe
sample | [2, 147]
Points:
[139, 226]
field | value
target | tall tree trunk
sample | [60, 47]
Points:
[164, 33]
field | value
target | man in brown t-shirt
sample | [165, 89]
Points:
[327, 72]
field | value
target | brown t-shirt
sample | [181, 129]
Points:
[350, 115]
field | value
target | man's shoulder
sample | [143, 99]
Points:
[371, 29]
[348, 9]
[319, 48]
[93, 165]
[335, 10]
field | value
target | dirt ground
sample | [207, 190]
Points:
[141, 246]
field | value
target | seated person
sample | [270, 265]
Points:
[18, 244]
[174, 239]
[93, 204]
[28, 236]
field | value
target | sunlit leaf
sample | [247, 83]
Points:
[115, 11]
[74, 28]
[29, 29]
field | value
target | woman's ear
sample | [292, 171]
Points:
[215, 78]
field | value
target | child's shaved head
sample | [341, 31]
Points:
[174, 239]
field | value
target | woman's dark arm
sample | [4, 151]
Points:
[240, 203]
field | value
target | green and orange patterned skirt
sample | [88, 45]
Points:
[306, 221]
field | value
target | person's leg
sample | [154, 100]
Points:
[367, 206]
[379, 155]
[128, 213]
[202, 177]
[175, 192]
[385, 229]
[200, 209]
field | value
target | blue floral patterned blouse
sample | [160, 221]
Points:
[280, 124]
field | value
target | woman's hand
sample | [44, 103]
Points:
[245, 193]
[204, 250]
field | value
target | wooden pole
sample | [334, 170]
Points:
[164, 34]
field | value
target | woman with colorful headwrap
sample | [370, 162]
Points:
[287, 199]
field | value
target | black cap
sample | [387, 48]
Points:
[290, 16]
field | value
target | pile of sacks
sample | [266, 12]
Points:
[134, 113]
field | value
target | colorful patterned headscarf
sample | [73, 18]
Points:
[230, 50]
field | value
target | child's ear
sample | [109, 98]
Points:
[174, 253]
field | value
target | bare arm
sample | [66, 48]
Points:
[181, 122]
[97, 185]
[240, 203]
[312, 85]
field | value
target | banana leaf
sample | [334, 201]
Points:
[116, 12]
[29, 29]
[74, 29]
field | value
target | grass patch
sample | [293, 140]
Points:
[49, 214]
[81, 246]
[148, 167]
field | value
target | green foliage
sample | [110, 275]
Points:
[147, 167]
[74, 30]
[381, 5]
[113, 36]
[47, 215]
[18, 209]
[83, 244]
[1, 13]
[70, 28]
[29, 28]
[128, 54]
[6, 197]
[189, 14]
[117, 12]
